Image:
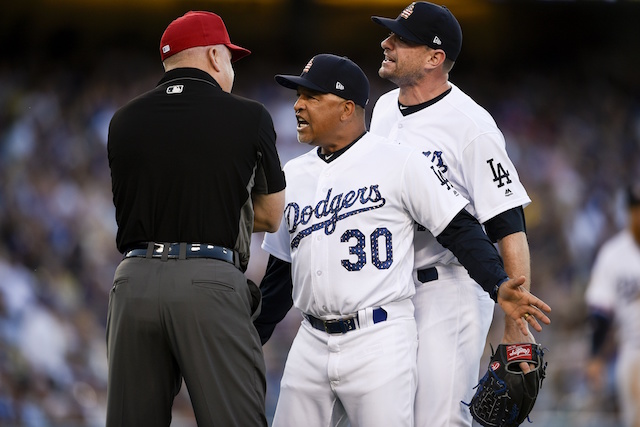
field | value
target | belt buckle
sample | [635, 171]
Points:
[158, 249]
[342, 325]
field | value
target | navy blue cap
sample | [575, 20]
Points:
[428, 24]
[326, 73]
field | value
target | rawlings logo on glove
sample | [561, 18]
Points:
[505, 395]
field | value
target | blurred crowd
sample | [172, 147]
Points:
[574, 137]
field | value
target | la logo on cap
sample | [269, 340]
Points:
[406, 13]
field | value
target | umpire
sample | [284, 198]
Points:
[194, 172]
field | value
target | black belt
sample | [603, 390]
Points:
[344, 325]
[172, 250]
[427, 275]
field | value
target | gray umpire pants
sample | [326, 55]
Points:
[183, 318]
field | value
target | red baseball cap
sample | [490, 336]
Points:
[197, 28]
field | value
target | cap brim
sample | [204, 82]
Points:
[292, 82]
[237, 52]
[396, 27]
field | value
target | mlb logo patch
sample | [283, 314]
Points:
[175, 89]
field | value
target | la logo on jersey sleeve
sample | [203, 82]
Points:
[500, 175]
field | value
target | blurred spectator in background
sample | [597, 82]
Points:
[613, 295]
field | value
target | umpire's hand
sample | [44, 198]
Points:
[522, 306]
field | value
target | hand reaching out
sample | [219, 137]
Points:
[522, 306]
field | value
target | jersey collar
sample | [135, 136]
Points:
[188, 73]
[406, 110]
[328, 158]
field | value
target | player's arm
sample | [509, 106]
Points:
[514, 250]
[600, 323]
[276, 287]
[508, 229]
[467, 240]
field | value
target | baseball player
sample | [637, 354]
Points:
[614, 294]
[346, 248]
[467, 150]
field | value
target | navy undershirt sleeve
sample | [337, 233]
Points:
[600, 323]
[505, 223]
[276, 287]
[467, 240]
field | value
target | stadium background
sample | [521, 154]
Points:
[560, 77]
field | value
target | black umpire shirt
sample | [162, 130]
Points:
[184, 160]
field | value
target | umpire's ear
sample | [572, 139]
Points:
[214, 57]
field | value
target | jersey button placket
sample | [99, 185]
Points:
[320, 250]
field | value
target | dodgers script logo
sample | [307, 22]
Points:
[334, 208]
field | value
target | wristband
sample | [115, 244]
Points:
[494, 291]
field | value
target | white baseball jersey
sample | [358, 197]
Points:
[453, 313]
[615, 286]
[348, 225]
[465, 147]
